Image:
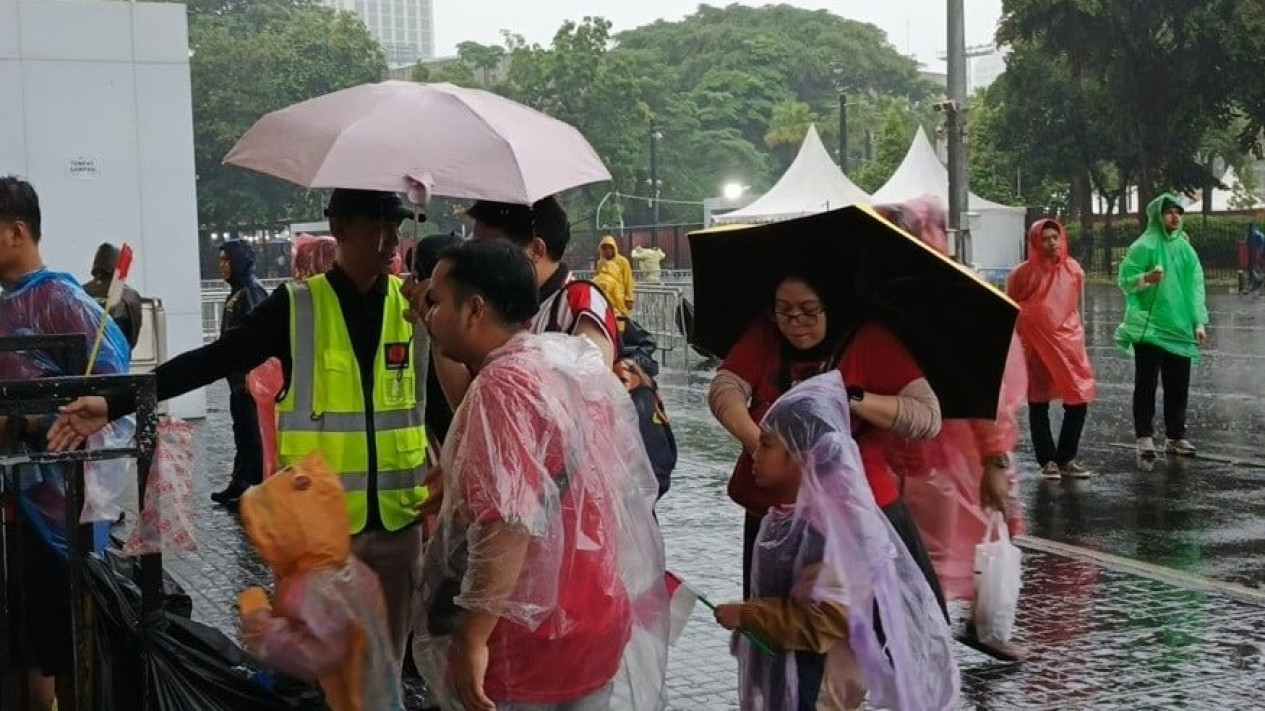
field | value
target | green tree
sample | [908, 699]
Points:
[239, 74]
[1172, 70]
[890, 146]
[483, 58]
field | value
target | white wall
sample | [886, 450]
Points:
[104, 87]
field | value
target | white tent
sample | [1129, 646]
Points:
[1222, 199]
[997, 231]
[812, 184]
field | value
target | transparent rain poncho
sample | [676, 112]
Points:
[942, 475]
[836, 535]
[547, 522]
[48, 303]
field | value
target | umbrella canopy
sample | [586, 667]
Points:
[956, 326]
[456, 142]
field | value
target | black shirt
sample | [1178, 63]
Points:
[265, 333]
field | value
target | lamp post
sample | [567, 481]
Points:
[655, 137]
[955, 120]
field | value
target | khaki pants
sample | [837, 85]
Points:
[396, 559]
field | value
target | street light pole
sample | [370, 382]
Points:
[843, 131]
[955, 115]
[654, 178]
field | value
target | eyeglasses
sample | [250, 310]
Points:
[807, 316]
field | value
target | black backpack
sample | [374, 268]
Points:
[636, 367]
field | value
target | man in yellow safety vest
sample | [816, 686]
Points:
[353, 390]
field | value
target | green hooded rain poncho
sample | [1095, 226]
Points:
[1167, 314]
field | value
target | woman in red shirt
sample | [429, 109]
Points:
[800, 338]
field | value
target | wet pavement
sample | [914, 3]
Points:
[1139, 587]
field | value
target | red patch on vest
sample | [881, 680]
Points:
[396, 356]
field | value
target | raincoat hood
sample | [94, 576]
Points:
[297, 519]
[1036, 253]
[609, 240]
[241, 262]
[1155, 216]
[103, 262]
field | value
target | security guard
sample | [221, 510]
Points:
[353, 389]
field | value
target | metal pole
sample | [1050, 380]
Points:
[654, 179]
[959, 189]
[843, 131]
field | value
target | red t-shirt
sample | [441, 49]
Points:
[875, 360]
[509, 448]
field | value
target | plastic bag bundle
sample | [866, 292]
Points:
[998, 577]
[166, 521]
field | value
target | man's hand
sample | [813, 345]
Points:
[1154, 276]
[468, 664]
[729, 615]
[80, 419]
[1201, 335]
[415, 293]
[994, 488]
[435, 488]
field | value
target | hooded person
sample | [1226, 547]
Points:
[1165, 322]
[129, 312]
[610, 261]
[833, 586]
[951, 479]
[237, 267]
[1254, 253]
[1048, 289]
[328, 623]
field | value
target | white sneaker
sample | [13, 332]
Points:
[1181, 447]
[1146, 447]
[1075, 470]
[1050, 472]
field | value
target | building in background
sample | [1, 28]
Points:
[404, 28]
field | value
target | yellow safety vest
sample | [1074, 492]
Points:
[324, 407]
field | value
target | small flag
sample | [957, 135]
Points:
[121, 268]
[681, 601]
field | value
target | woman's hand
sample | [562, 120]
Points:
[78, 421]
[994, 490]
[729, 615]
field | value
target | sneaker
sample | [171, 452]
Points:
[1051, 472]
[1146, 447]
[1181, 447]
[1075, 470]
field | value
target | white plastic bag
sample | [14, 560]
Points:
[108, 482]
[998, 573]
[166, 522]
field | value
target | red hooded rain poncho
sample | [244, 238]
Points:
[1048, 291]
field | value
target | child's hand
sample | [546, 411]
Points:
[729, 616]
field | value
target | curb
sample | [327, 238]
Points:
[1158, 573]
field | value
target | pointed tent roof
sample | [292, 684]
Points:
[812, 184]
[1221, 198]
[922, 173]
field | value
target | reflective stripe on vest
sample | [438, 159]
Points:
[324, 408]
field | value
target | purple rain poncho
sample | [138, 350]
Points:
[837, 537]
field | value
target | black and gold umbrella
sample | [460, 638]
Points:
[957, 326]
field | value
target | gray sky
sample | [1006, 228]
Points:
[913, 26]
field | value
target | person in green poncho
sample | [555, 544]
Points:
[1165, 320]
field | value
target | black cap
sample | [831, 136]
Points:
[369, 204]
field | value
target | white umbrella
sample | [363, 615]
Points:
[395, 135]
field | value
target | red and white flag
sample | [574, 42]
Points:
[121, 269]
[681, 601]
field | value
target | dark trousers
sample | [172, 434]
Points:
[248, 463]
[1069, 433]
[1153, 365]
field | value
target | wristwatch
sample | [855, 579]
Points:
[856, 393]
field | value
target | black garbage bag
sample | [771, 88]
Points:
[175, 599]
[173, 663]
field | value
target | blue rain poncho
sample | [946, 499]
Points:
[45, 302]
